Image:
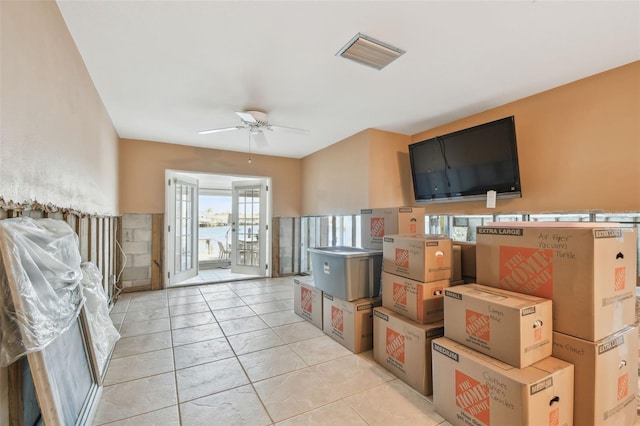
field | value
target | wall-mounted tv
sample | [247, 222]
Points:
[464, 165]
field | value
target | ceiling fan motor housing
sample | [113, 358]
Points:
[261, 119]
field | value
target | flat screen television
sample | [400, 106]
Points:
[464, 165]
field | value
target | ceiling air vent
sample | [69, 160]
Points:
[370, 52]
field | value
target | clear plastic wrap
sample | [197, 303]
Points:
[103, 334]
[40, 292]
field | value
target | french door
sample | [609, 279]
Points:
[249, 227]
[182, 227]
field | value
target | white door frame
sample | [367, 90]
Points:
[172, 180]
[244, 249]
[269, 212]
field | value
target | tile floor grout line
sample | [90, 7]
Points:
[353, 408]
[227, 337]
[127, 381]
[244, 370]
[264, 406]
[130, 417]
[288, 344]
[175, 378]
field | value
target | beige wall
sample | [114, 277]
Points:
[336, 178]
[143, 163]
[578, 145]
[367, 170]
[389, 172]
[57, 144]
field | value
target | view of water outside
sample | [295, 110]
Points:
[214, 225]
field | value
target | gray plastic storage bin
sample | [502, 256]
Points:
[348, 273]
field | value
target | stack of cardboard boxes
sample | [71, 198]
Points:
[588, 271]
[494, 365]
[416, 271]
[346, 320]
[351, 322]
[549, 327]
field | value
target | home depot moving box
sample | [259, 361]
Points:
[590, 273]
[403, 347]
[349, 323]
[512, 327]
[418, 301]
[475, 389]
[605, 376]
[376, 223]
[307, 301]
[418, 257]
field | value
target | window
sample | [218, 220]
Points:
[319, 231]
[327, 231]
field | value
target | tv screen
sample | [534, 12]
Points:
[464, 165]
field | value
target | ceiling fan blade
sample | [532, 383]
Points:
[288, 129]
[247, 118]
[223, 129]
[260, 139]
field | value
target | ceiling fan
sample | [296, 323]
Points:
[257, 122]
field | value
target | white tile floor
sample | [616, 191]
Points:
[235, 353]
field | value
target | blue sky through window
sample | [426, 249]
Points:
[217, 203]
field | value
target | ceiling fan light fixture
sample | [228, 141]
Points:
[370, 52]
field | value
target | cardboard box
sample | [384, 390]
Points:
[512, 327]
[418, 301]
[475, 389]
[422, 258]
[467, 260]
[606, 383]
[588, 272]
[307, 300]
[456, 262]
[403, 347]
[349, 323]
[376, 223]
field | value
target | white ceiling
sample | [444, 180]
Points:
[165, 70]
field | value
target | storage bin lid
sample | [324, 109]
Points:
[345, 251]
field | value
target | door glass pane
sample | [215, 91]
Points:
[184, 205]
[248, 227]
